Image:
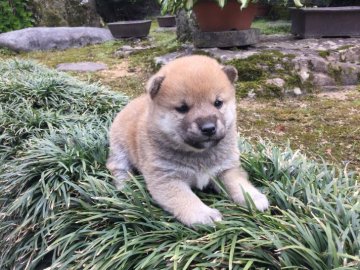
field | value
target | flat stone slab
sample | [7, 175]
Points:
[226, 39]
[82, 66]
[165, 29]
[127, 50]
[319, 63]
[53, 38]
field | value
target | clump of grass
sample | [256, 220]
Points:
[5, 52]
[59, 209]
[35, 99]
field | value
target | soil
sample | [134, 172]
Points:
[119, 70]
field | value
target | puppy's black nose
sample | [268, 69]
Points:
[208, 129]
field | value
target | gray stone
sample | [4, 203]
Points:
[351, 55]
[318, 64]
[304, 74]
[53, 38]
[82, 66]
[300, 61]
[226, 38]
[340, 68]
[350, 73]
[320, 79]
[275, 39]
[297, 91]
[163, 60]
[276, 82]
[127, 50]
[251, 94]
[227, 55]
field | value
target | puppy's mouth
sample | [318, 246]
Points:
[203, 144]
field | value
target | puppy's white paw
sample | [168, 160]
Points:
[202, 215]
[260, 201]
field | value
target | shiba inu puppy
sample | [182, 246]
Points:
[180, 135]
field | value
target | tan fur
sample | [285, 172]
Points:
[173, 150]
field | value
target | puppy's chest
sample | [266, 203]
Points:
[198, 174]
[203, 177]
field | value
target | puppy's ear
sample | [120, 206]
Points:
[231, 73]
[154, 84]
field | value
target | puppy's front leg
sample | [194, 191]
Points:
[236, 182]
[176, 197]
[119, 166]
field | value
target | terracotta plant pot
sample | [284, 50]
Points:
[325, 22]
[262, 10]
[166, 21]
[211, 18]
[127, 29]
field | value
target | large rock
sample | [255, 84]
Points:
[289, 66]
[320, 79]
[53, 38]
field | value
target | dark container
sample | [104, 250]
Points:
[262, 10]
[127, 29]
[325, 22]
[166, 21]
[212, 18]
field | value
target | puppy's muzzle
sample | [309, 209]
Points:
[207, 126]
[208, 129]
[206, 135]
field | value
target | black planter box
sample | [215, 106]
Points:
[325, 22]
[166, 21]
[130, 29]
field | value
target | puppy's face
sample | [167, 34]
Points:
[193, 102]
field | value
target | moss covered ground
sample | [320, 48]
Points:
[323, 126]
[318, 125]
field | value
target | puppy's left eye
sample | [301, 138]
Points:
[184, 108]
[218, 103]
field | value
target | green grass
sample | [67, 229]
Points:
[60, 210]
[272, 27]
[314, 124]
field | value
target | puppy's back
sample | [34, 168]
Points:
[124, 131]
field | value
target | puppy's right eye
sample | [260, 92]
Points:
[183, 108]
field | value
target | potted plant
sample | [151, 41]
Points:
[218, 15]
[326, 18]
[125, 18]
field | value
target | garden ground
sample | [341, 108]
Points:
[59, 207]
[320, 124]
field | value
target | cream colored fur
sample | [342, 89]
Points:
[169, 147]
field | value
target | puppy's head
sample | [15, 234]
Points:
[193, 101]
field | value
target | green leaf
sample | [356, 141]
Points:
[189, 4]
[298, 3]
[244, 3]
